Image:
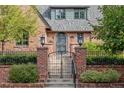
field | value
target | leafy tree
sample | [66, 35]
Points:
[14, 21]
[110, 28]
[92, 46]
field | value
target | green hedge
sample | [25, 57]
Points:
[105, 60]
[24, 73]
[94, 76]
[17, 59]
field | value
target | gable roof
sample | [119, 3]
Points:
[69, 24]
[41, 17]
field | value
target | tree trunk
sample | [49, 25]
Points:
[2, 46]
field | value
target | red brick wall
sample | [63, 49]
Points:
[22, 85]
[42, 63]
[4, 73]
[101, 85]
[80, 60]
[119, 68]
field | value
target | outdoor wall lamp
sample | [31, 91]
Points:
[80, 39]
[42, 40]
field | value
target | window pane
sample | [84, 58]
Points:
[19, 42]
[77, 15]
[60, 13]
[80, 13]
[24, 40]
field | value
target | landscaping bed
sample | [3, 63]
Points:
[101, 85]
[107, 78]
[19, 76]
[22, 85]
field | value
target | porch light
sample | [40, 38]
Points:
[80, 39]
[42, 40]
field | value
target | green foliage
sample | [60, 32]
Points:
[14, 21]
[90, 76]
[100, 77]
[23, 73]
[110, 76]
[17, 59]
[105, 60]
[91, 46]
[110, 28]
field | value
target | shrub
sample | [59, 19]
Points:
[90, 76]
[17, 59]
[105, 60]
[24, 73]
[101, 77]
[110, 76]
[92, 46]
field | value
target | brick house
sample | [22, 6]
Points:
[61, 25]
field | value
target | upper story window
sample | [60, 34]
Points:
[80, 13]
[60, 13]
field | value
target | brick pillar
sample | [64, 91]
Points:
[42, 63]
[80, 59]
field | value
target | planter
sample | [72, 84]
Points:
[101, 85]
[21, 85]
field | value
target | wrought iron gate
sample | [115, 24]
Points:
[60, 64]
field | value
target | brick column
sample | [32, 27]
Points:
[42, 63]
[80, 59]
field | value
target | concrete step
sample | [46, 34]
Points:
[60, 86]
[59, 83]
[59, 76]
[59, 80]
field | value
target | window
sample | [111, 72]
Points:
[80, 13]
[60, 13]
[23, 41]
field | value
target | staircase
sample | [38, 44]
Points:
[59, 83]
[60, 72]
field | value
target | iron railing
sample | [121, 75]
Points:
[59, 64]
[74, 72]
[104, 58]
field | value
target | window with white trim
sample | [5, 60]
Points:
[60, 13]
[80, 13]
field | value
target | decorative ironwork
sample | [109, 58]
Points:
[62, 65]
[59, 64]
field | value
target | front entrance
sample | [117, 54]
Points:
[60, 64]
[61, 42]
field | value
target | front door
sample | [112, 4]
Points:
[61, 42]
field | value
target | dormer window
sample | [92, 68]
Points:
[60, 13]
[80, 13]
